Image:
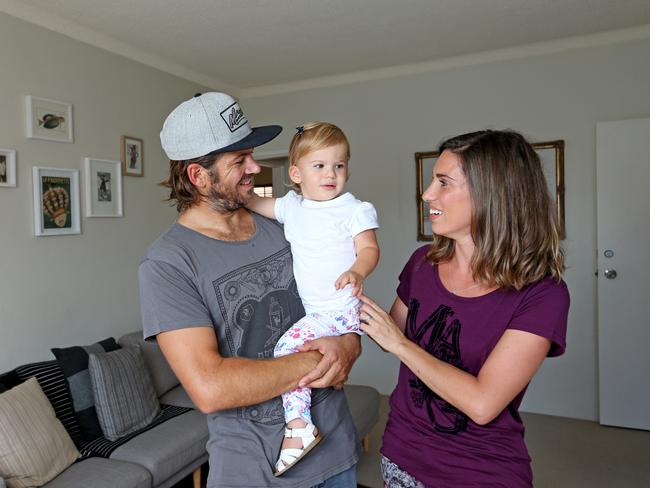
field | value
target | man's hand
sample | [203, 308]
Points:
[339, 354]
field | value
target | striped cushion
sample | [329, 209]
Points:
[125, 399]
[53, 384]
[35, 446]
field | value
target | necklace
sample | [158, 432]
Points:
[456, 291]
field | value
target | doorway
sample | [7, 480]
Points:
[273, 180]
[623, 210]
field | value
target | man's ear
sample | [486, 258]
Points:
[197, 175]
[294, 174]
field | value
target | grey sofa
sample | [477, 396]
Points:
[163, 455]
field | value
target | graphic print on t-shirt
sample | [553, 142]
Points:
[258, 302]
[439, 335]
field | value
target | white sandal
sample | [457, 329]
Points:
[290, 456]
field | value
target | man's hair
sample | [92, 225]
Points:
[514, 224]
[181, 189]
[312, 137]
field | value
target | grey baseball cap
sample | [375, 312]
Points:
[210, 123]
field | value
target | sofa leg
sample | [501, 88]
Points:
[196, 477]
[365, 442]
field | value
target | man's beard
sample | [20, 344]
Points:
[223, 199]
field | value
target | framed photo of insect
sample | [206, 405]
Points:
[49, 120]
[132, 156]
[56, 201]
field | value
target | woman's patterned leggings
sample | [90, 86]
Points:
[297, 402]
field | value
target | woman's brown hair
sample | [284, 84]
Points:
[514, 224]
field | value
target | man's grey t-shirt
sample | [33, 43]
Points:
[247, 292]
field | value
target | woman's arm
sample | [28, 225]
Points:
[508, 369]
[367, 251]
[262, 205]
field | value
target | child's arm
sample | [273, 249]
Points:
[262, 205]
[367, 249]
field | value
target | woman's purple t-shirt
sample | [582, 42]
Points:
[428, 437]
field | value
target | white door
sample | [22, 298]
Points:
[623, 200]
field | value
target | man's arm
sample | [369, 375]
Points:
[262, 205]
[217, 383]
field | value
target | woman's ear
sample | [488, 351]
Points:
[294, 174]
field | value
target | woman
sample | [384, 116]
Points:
[476, 314]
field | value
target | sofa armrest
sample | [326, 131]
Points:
[363, 402]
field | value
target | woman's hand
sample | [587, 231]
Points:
[380, 326]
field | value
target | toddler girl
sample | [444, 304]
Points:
[334, 249]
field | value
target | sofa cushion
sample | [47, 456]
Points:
[102, 473]
[169, 447]
[177, 396]
[34, 445]
[363, 402]
[124, 396]
[74, 363]
[162, 375]
[50, 377]
[104, 448]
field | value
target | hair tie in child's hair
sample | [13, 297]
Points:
[300, 130]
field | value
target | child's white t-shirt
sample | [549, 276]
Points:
[321, 237]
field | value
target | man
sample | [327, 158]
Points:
[217, 291]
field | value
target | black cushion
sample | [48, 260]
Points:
[74, 363]
[8, 380]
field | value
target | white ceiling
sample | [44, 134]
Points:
[251, 44]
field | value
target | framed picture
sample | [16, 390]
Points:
[56, 201]
[7, 167]
[49, 120]
[132, 155]
[103, 188]
[550, 153]
[424, 162]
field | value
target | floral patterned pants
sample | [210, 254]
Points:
[297, 402]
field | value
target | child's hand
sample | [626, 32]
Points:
[353, 278]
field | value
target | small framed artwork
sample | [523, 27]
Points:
[551, 155]
[132, 155]
[424, 162]
[56, 201]
[103, 188]
[49, 120]
[7, 167]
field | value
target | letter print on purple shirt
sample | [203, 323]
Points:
[440, 337]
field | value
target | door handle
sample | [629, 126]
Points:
[610, 274]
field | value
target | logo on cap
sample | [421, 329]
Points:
[234, 117]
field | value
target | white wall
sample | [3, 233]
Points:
[66, 290]
[559, 96]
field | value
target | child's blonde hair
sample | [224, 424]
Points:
[312, 137]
